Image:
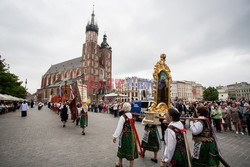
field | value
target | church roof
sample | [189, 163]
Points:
[64, 66]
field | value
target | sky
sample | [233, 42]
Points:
[205, 41]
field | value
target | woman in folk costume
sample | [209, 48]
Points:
[205, 153]
[127, 140]
[84, 118]
[64, 114]
[175, 153]
[151, 140]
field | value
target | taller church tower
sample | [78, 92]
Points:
[96, 60]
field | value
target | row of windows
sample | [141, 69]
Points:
[245, 90]
[95, 64]
[132, 94]
[127, 100]
[93, 56]
[243, 95]
[57, 77]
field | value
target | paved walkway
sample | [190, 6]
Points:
[40, 140]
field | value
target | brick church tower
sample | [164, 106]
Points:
[95, 63]
[96, 60]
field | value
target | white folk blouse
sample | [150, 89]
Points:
[170, 141]
[196, 127]
[120, 125]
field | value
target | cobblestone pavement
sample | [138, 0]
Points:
[40, 140]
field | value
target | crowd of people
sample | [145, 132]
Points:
[80, 116]
[222, 114]
[109, 108]
[9, 106]
[203, 118]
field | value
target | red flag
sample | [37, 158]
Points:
[72, 92]
[73, 109]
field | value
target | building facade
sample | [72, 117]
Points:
[242, 91]
[174, 90]
[231, 91]
[135, 88]
[223, 93]
[94, 68]
[142, 89]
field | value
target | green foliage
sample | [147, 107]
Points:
[9, 83]
[210, 94]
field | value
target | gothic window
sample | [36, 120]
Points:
[54, 78]
[77, 72]
[71, 74]
[101, 74]
[60, 77]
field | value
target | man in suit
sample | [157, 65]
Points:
[181, 107]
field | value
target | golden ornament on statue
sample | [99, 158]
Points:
[162, 82]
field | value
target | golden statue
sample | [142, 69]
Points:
[162, 82]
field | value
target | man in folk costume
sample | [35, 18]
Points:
[205, 152]
[127, 137]
[151, 140]
[84, 117]
[175, 151]
[79, 112]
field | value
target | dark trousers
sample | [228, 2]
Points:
[115, 113]
[24, 113]
[163, 129]
[77, 121]
[217, 124]
[248, 124]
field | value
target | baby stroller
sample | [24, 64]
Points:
[40, 106]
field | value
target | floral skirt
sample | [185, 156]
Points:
[84, 120]
[179, 159]
[208, 156]
[153, 141]
[127, 146]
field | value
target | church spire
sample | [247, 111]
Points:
[92, 26]
[93, 16]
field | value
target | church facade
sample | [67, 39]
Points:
[95, 64]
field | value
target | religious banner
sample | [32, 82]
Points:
[82, 88]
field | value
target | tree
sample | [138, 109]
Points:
[10, 83]
[210, 94]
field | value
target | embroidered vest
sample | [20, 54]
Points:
[180, 142]
[205, 135]
[126, 126]
[149, 127]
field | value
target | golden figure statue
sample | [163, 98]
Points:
[162, 82]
